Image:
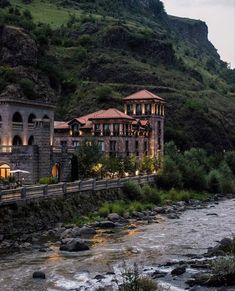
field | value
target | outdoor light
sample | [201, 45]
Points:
[126, 174]
[137, 173]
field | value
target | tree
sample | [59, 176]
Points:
[88, 155]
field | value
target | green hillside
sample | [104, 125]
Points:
[96, 52]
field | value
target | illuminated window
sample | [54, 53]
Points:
[4, 171]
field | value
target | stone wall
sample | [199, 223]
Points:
[28, 217]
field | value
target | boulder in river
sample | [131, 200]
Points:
[87, 231]
[114, 217]
[73, 245]
[39, 275]
[178, 271]
[106, 224]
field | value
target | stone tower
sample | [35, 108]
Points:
[145, 105]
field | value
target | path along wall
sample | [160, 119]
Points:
[25, 217]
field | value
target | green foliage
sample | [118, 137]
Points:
[80, 54]
[27, 87]
[132, 190]
[151, 195]
[88, 155]
[104, 93]
[48, 180]
[214, 181]
[133, 281]
[224, 266]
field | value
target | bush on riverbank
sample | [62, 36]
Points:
[195, 170]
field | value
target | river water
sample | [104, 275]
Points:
[147, 245]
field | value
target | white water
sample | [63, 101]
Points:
[148, 245]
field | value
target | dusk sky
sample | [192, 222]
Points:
[219, 16]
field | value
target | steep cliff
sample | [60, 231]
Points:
[90, 54]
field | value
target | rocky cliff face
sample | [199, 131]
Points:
[18, 60]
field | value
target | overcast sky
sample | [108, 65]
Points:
[219, 16]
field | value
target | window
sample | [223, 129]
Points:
[17, 141]
[159, 127]
[159, 143]
[127, 148]
[75, 129]
[75, 143]
[145, 147]
[0, 121]
[138, 109]
[147, 109]
[112, 146]
[97, 129]
[129, 109]
[106, 129]
[116, 129]
[17, 118]
[63, 143]
[101, 145]
[126, 129]
[136, 144]
[31, 140]
[31, 118]
[4, 171]
[46, 117]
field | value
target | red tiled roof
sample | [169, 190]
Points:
[61, 125]
[83, 119]
[111, 113]
[143, 94]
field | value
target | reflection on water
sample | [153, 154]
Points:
[147, 245]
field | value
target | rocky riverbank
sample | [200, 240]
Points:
[73, 235]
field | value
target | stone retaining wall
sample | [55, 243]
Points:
[31, 216]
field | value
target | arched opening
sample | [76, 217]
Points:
[5, 171]
[17, 117]
[31, 118]
[55, 172]
[31, 140]
[46, 117]
[17, 141]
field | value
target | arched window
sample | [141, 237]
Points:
[17, 118]
[46, 117]
[4, 170]
[17, 141]
[55, 171]
[31, 140]
[31, 118]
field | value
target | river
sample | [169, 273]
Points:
[147, 245]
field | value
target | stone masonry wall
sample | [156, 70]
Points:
[32, 216]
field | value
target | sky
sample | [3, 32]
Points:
[219, 16]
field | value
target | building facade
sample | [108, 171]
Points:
[139, 130]
[31, 141]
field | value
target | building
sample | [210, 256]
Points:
[31, 141]
[139, 130]
[26, 140]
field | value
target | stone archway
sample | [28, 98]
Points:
[55, 171]
[5, 170]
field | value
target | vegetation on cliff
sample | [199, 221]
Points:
[93, 53]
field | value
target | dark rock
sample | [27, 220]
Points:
[114, 217]
[160, 210]
[106, 224]
[178, 271]
[212, 214]
[173, 216]
[158, 274]
[87, 230]
[73, 245]
[39, 275]
[99, 277]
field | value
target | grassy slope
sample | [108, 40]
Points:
[199, 112]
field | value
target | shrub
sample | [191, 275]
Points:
[118, 207]
[136, 206]
[224, 266]
[48, 180]
[28, 88]
[151, 195]
[214, 181]
[132, 190]
[104, 210]
[80, 54]
[132, 280]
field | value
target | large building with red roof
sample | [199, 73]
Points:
[139, 130]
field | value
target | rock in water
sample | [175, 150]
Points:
[73, 245]
[114, 217]
[39, 275]
[178, 271]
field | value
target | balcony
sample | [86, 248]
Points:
[17, 125]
